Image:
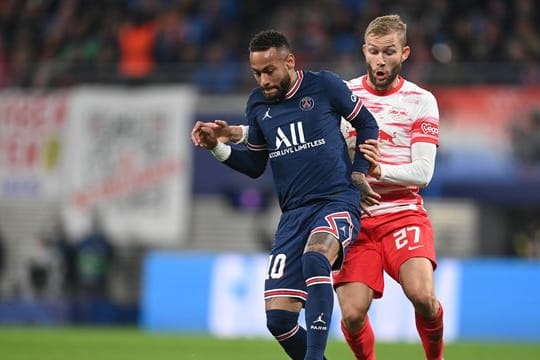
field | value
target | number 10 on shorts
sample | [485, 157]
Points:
[276, 266]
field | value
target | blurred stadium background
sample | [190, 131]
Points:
[109, 216]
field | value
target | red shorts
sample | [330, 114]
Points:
[384, 243]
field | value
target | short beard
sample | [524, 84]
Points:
[282, 89]
[387, 84]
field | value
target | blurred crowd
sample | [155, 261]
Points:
[48, 43]
[52, 266]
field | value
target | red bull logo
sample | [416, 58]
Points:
[384, 136]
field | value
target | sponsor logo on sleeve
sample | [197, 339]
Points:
[429, 129]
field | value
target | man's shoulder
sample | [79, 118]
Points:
[357, 80]
[409, 86]
[356, 84]
[255, 98]
[326, 76]
[255, 95]
[417, 96]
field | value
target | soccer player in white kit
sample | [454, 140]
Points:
[396, 236]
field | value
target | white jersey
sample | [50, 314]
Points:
[405, 115]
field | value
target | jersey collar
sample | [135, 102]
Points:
[296, 86]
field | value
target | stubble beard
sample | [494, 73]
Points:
[387, 83]
[282, 89]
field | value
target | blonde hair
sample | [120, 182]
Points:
[385, 25]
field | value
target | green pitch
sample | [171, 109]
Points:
[29, 343]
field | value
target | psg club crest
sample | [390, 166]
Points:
[306, 103]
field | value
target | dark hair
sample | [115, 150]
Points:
[267, 39]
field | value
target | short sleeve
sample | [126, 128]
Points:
[426, 125]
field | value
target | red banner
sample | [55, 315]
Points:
[484, 113]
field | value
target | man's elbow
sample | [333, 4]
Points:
[255, 173]
[425, 178]
[424, 172]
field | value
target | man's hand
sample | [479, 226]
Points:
[222, 131]
[203, 135]
[196, 132]
[368, 197]
[370, 149]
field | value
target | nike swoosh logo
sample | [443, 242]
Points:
[411, 248]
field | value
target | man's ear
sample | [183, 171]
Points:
[290, 61]
[405, 54]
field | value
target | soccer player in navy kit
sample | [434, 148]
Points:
[294, 121]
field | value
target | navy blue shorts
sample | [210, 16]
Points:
[284, 276]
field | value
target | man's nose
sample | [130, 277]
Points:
[264, 80]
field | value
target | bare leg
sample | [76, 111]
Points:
[416, 278]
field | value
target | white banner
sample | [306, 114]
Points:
[128, 155]
[31, 147]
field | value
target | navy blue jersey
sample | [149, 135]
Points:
[301, 134]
